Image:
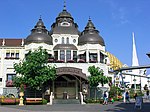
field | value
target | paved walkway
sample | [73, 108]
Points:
[116, 107]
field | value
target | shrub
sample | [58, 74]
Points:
[5, 100]
[44, 101]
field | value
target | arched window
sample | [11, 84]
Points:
[67, 40]
[63, 40]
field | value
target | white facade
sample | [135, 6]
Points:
[90, 52]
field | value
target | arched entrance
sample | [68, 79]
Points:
[68, 83]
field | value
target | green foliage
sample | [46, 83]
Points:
[97, 76]
[132, 92]
[94, 101]
[115, 91]
[44, 101]
[34, 70]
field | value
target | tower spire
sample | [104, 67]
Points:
[135, 61]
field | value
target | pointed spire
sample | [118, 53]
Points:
[134, 53]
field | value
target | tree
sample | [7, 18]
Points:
[97, 76]
[34, 70]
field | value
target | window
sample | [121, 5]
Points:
[63, 40]
[10, 76]
[56, 55]
[68, 55]
[75, 56]
[65, 24]
[93, 57]
[9, 81]
[74, 40]
[101, 58]
[13, 54]
[67, 40]
[17, 55]
[7, 55]
[56, 40]
[62, 55]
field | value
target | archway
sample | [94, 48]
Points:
[68, 83]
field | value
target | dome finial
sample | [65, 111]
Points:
[64, 5]
[89, 17]
[40, 17]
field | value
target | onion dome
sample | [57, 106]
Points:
[90, 35]
[39, 34]
[64, 24]
[115, 63]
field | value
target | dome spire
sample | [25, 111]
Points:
[89, 18]
[40, 17]
[64, 5]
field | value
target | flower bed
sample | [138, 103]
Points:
[9, 100]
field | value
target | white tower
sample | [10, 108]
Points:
[135, 62]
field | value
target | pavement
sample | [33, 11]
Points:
[116, 107]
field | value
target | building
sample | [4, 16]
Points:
[69, 49]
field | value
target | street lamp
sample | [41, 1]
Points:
[134, 83]
[148, 83]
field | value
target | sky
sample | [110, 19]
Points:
[115, 19]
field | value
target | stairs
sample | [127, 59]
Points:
[66, 101]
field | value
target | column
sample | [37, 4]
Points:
[98, 56]
[53, 87]
[71, 54]
[134, 83]
[76, 89]
[58, 54]
[87, 55]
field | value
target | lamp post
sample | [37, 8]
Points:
[148, 83]
[134, 84]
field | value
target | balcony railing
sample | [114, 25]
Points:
[12, 58]
[72, 61]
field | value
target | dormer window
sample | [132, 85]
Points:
[65, 24]
[63, 40]
[67, 40]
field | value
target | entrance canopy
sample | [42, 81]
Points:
[71, 71]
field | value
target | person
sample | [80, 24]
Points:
[147, 94]
[127, 97]
[112, 100]
[124, 97]
[105, 98]
[135, 96]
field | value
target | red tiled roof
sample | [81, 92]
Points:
[11, 42]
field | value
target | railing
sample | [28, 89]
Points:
[73, 61]
[12, 58]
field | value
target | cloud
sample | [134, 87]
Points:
[118, 13]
